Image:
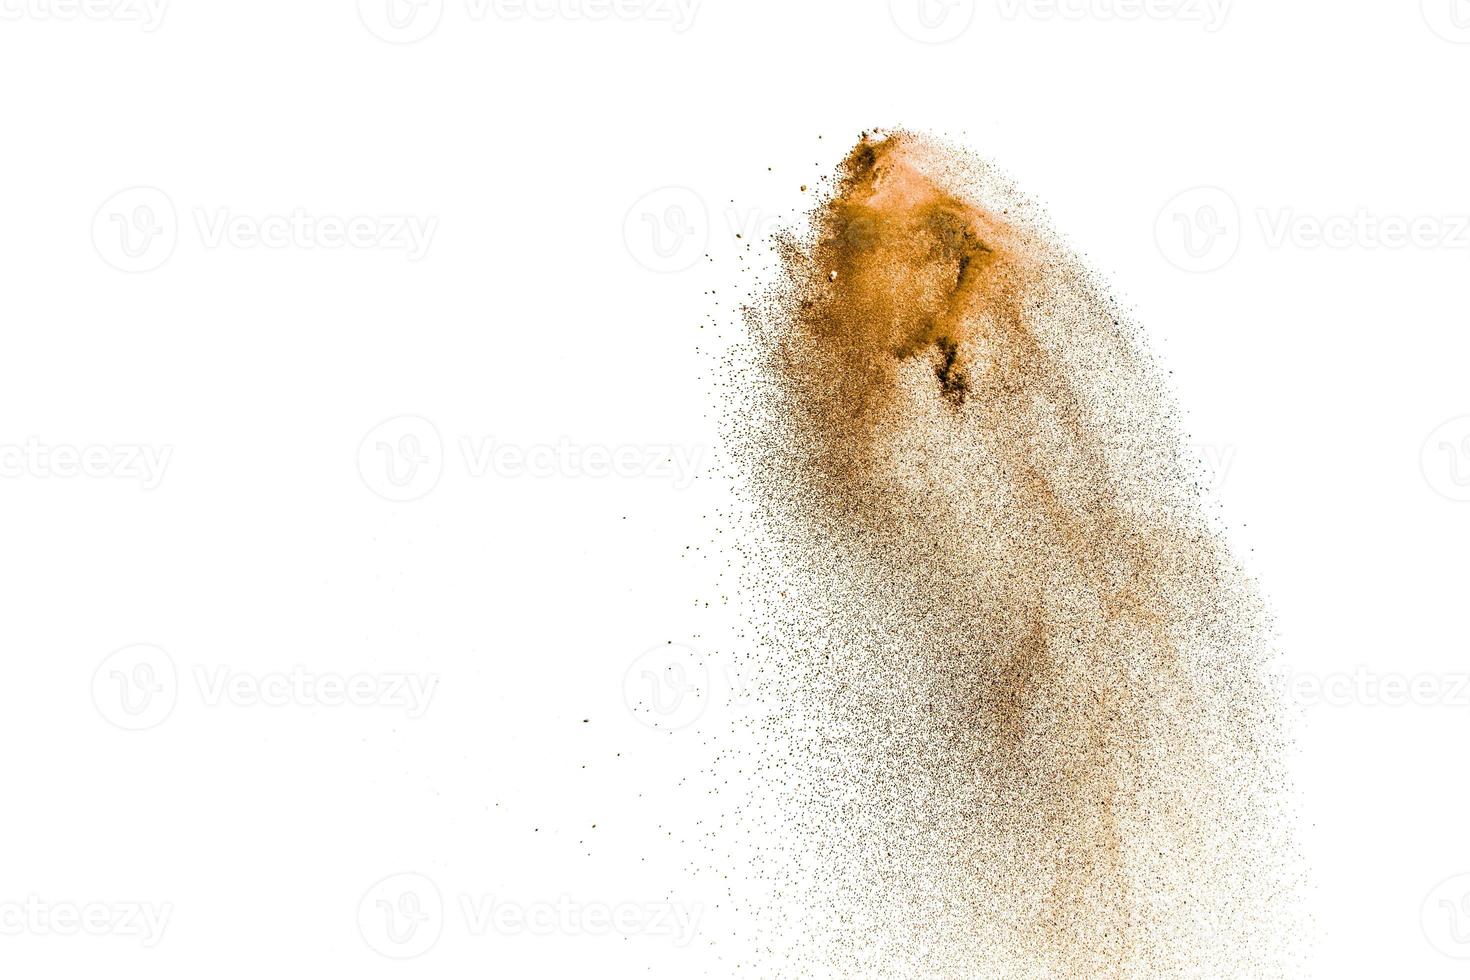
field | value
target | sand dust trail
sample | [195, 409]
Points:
[1015, 718]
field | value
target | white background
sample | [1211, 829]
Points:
[545, 313]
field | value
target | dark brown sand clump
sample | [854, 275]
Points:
[1012, 715]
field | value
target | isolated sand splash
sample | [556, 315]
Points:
[1016, 718]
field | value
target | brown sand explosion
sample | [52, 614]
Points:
[1013, 717]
